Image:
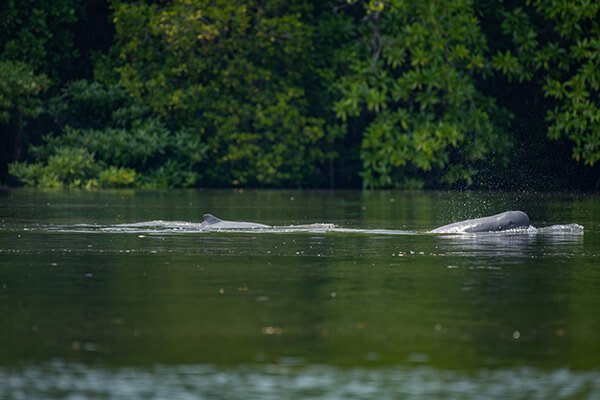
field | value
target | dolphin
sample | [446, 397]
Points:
[213, 223]
[499, 222]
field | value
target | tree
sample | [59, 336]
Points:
[239, 74]
[387, 93]
[413, 89]
[105, 139]
[55, 37]
[573, 74]
[20, 100]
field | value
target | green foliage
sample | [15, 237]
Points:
[121, 145]
[58, 38]
[414, 83]
[557, 44]
[83, 104]
[395, 93]
[577, 90]
[116, 177]
[240, 73]
[20, 101]
[20, 91]
[39, 33]
[66, 167]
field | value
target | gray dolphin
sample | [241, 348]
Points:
[499, 222]
[494, 223]
[211, 222]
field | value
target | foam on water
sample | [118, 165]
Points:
[567, 229]
[167, 227]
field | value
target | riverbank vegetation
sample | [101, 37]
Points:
[272, 93]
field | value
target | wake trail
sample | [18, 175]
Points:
[184, 227]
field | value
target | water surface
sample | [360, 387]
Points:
[154, 313]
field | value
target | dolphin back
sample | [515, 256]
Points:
[213, 223]
[499, 222]
[211, 219]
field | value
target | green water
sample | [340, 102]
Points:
[109, 314]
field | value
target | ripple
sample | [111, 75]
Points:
[178, 227]
[290, 381]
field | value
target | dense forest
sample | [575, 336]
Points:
[276, 93]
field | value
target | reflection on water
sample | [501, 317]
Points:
[59, 380]
[364, 304]
[550, 241]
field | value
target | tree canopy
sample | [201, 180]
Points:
[273, 93]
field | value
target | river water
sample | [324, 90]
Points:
[94, 304]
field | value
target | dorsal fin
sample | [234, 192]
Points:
[211, 219]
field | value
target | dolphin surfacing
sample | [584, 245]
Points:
[213, 223]
[499, 222]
